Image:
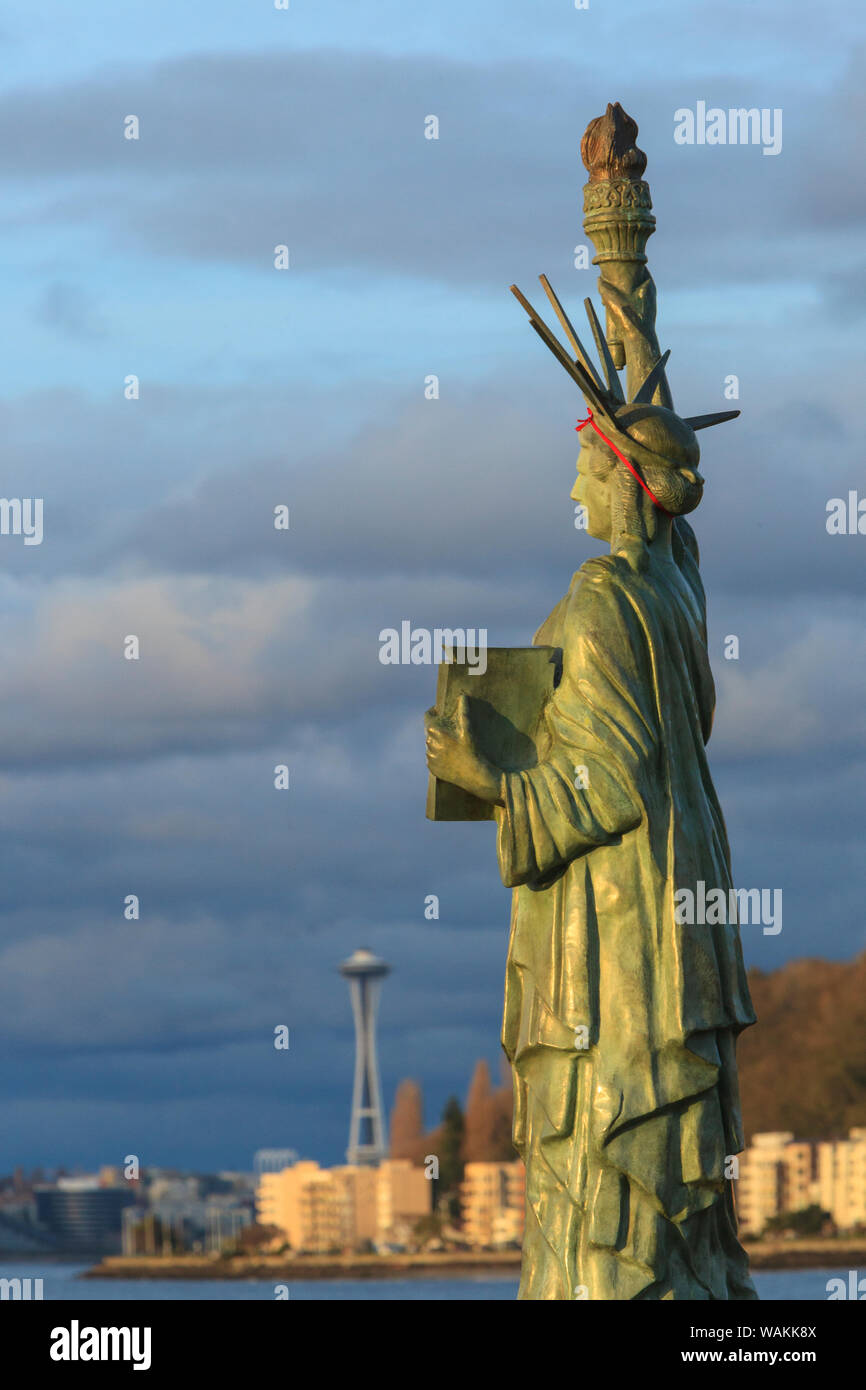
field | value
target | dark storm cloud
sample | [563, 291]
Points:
[180, 1011]
[222, 665]
[326, 151]
[430, 488]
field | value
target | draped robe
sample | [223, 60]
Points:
[620, 1024]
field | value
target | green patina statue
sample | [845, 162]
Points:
[620, 1024]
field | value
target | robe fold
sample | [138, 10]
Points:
[620, 1024]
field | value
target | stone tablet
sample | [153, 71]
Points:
[506, 703]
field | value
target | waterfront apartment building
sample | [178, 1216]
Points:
[492, 1203]
[301, 1202]
[778, 1173]
[404, 1194]
[322, 1210]
[842, 1180]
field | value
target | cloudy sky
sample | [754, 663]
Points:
[305, 387]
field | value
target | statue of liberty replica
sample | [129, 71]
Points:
[588, 751]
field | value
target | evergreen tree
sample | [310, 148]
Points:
[450, 1162]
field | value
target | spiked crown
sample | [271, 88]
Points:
[646, 433]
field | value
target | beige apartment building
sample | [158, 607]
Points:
[321, 1210]
[301, 1202]
[357, 1195]
[404, 1195]
[492, 1203]
[776, 1175]
[842, 1180]
[781, 1174]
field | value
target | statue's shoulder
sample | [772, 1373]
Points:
[603, 622]
[600, 583]
[601, 570]
[585, 594]
[598, 604]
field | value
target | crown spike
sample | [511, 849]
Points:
[579, 350]
[653, 380]
[614, 385]
[575, 370]
[717, 417]
[597, 396]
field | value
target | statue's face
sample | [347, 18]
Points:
[593, 493]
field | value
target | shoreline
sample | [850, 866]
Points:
[809, 1254]
[305, 1267]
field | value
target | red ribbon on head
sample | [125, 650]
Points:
[632, 470]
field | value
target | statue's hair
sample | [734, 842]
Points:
[634, 516]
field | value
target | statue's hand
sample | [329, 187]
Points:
[630, 313]
[453, 757]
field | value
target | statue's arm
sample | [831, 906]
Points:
[633, 312]
[556, 812]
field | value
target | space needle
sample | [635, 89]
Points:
[365, 973]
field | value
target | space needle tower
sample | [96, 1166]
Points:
[365, 973]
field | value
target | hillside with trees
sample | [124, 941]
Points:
[803, 1065]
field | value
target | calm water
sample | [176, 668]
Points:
[59, 1281]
